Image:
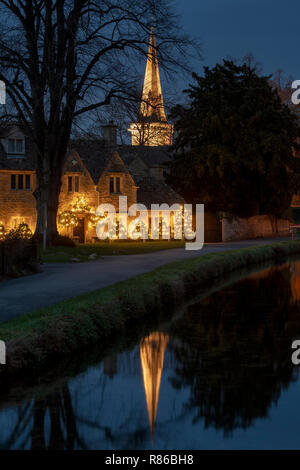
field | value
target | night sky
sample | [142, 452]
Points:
[270, 29]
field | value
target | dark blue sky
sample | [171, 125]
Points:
[270, 29]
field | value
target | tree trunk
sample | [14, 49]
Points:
[47, 200]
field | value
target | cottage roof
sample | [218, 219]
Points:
[154, 191]
[96, 155]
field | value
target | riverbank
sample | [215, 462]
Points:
[44, 337]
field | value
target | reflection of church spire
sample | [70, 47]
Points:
[152, 105]
[152, 351]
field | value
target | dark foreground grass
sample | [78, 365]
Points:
[64, 254]
[45, 336]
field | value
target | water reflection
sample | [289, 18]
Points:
[152, 351]
[220, 376]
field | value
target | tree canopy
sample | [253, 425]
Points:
[234, 143]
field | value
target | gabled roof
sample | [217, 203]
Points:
[151, 156]
[153, 191]
[96, 155]
[116, 165]
[93, 155]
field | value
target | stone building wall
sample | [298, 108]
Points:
[127, 186]
[87, 189]
[16, 205]
[259, 226]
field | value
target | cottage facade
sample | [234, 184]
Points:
[96, 172]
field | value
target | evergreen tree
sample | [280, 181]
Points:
[234, 143]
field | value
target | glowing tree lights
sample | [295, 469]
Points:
[80, 207]
[22, 231]
[161, 222]
[67, 219]
[2, 231]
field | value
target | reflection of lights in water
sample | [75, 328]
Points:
[152, 351]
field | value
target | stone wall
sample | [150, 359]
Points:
[16, 205]
[260, 226]
[87, 189]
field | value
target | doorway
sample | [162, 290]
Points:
[79, 231]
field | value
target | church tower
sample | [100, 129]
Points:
[152, 128]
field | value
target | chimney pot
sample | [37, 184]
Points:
[110, 133]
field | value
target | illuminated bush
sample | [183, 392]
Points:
[2, 231]
[67, 219]
[22, 231]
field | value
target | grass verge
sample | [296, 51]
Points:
[46, 336]
[64, 254]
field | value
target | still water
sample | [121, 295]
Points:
[217, 376]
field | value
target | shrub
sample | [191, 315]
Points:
[67, 219]
[22, 231]
[18, 256]
[60, 240]
[2, 231]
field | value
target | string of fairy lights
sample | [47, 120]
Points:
[161, 227]
[80, 207]
[21, 231]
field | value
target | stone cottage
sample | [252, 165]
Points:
[97, 170]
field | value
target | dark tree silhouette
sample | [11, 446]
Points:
[234, 144]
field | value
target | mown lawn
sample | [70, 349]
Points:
[92, 251]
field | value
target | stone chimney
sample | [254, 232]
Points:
[110, 133]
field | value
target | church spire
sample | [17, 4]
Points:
[152, 105]
[152, 128]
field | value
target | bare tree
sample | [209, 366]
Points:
[62, 59]
[283, 85]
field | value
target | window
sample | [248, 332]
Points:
[13, 182]
[16, 146]
[73, 184]
[20, 182]
[19, 147]
[111, 185]
[115, 184]
[11, 146]
[118, 185]
[70, 184]
[76, 184]
[27, 182]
